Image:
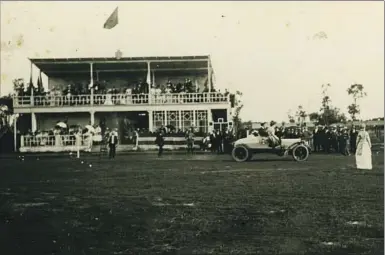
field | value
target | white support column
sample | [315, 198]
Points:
[33, 122]
[92, 113]
[15, 135]
[92, 82]
[165, 118]
[32, 87]
[194, 120]
[209, 74]
[180, 119]
[210, 120]
[148, 80]
[150, 121]
[230, 119]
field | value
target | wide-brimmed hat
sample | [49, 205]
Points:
[272, 123]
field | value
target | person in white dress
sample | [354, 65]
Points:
[78, 140]
[129, 96]
[58, 139]
[158, 98]
[363, 151]
[98, 134]
[273, 139]
[89, 140]
[108, 98]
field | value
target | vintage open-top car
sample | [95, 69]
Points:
[245, 148]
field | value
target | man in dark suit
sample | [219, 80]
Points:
[113, 142]
[262, 130]
[213, 141]
[160, 141]
[327, 141]
[353, 139]
[190, 140]
[316, 139]
[219, 142]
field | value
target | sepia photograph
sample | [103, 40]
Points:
[192, 127]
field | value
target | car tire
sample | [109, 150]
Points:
[300, 153]
[240, 154]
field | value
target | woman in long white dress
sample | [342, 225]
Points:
[363, 152]
[108, 98]
[58, 139]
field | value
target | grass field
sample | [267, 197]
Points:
[201, 204]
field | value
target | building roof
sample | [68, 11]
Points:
[57, 66]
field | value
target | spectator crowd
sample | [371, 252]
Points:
[105, 94]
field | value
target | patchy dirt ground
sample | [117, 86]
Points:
[202, 204]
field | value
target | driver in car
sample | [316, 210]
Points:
[273, 139]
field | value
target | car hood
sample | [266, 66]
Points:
[252, 140]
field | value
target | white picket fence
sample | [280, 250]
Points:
[68, 143]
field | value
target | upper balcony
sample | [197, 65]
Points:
[122, 84]
[103, 100]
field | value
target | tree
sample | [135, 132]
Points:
[357, 92]
[314, 116]
[325, 105]
[18, 86]
[328, 114]
[247, 124]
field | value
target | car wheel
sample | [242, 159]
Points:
[300, 153]
[240, 154]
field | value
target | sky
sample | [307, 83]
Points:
[277, 53]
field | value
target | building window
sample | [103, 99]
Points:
[158, 119]
[201, 119]
[187, 120]
[173, 120]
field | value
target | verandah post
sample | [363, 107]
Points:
[92, 83]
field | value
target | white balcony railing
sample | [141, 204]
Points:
[189, 98]
[51, 100]
[119, 99]
[53, 140]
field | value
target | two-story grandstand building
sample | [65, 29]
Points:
[144, 92]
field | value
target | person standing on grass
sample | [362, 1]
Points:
[327, 140]
[307, 136]
[344, 142]
[316, 139]
[213, 141]
[160, 141]
[112, 143]
[190, 140]
[353, 139]
[363, 150]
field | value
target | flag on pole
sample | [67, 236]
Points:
[112, 21]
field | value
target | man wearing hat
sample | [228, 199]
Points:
[316, 138]
[262, 130]
[353, 139]
[113, 142]
[334, 138]
[344, 142]
[326, 141]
